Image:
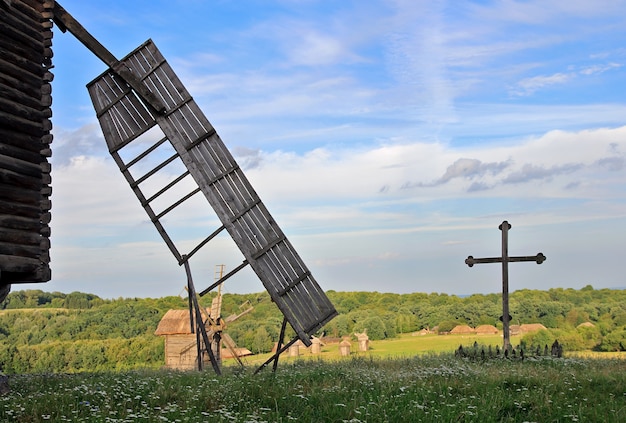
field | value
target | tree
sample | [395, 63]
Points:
[614, 341]
[262, 342]
[374, 326]
[447, 325]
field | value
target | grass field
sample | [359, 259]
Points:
[408, 379]
[401, 347]
[426, 388]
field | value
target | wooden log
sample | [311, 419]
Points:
[45, 204]
[32, 156]
[16, 180]
[10, 263]
[21, 110]
[37, 128]
[25, 238]
[24, 167]
[9, 46]
[18, 30]
[18, 209]
[20, 65]
[27, 84]
[31, 8]
[46, 101]
[12, 249]
[21, 196]
[31, 143]
[13, 95]
[45, 231]
[20, 223]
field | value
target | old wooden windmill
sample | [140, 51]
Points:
[184, 347]
[154, 129]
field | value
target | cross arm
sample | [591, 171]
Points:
[471, 261]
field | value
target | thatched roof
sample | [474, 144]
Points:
[586, 325]
[241, 352]
[484, 329]
[462, 329]
[175, 322]
[531, 327]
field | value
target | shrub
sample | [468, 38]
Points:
[614, 341]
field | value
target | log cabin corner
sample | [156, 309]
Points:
[25, 137]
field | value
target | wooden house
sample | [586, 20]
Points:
[487, 330]
[181, 351]
[462, 330]
[531, 327]
[25, 112]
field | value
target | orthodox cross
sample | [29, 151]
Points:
[505, 260]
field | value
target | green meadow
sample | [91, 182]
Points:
[422, 388]
[406, 379]
[403, 346]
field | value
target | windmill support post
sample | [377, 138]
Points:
[199, 325]
[279, 349]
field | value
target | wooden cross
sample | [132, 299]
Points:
[505, 260]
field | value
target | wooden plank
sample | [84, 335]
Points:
[122, 115]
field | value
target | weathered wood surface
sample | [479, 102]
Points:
[25, 100]
[124, 118]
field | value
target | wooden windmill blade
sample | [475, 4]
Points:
[125, 120]
[143, 107]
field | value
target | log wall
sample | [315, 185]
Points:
[25, 125]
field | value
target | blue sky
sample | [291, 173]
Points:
[389, 139]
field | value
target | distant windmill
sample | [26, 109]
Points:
[217, 325]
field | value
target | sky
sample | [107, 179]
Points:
[389, 139]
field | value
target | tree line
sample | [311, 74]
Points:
[42, 331]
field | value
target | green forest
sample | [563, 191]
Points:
[55, 332]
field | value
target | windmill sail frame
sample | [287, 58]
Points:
[127, 120]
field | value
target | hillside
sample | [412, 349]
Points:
[42, 332]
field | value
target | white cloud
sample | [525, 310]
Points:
[529, 86]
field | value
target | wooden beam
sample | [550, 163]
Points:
[66, 21]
